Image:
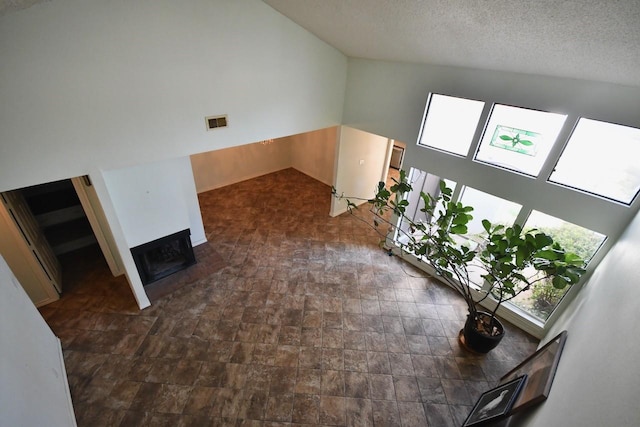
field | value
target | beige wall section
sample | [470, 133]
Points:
[360, 164]
[99, 224]
[16, 253]
[313, 153]
[215, 169]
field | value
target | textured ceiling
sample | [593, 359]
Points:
[7, 6]
[585, 39]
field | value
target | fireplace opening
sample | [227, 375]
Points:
[162, 257]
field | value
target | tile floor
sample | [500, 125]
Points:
[305, 321]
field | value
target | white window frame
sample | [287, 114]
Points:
[533, 193]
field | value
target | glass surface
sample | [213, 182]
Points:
[543, 298]
[450, 123]
[601, 158]
[421, 181]
[519, 139]
[487, 206]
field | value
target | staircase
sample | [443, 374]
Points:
[57, 209]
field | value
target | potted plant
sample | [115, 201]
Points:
[507, 259]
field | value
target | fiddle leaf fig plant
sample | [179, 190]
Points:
[501, 263]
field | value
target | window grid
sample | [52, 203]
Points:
[556, 149]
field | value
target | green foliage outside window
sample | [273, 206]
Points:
[544, 297]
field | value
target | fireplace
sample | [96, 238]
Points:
[162, 257]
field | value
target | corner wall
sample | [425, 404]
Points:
[312, 153]
[361, 162]
[598, 377]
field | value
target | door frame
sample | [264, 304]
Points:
[103, 236]
[30, 260]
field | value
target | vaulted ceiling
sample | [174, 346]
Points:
[584, 39]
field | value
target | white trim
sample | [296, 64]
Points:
[36, 268]
[195, 243]
[63, 370]
[114, 266]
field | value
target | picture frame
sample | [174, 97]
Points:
[495, 404]
[540, 369]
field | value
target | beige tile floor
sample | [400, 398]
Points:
[305, 321]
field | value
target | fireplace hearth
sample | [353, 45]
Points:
[162, 257]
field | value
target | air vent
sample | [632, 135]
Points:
[214, 122]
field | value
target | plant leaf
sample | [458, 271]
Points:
[459, 229]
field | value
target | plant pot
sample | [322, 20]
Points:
[475, 340]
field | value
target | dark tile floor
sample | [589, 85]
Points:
[306, 321]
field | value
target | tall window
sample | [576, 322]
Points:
[450, 123]
[543, 298]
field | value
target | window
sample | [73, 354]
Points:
[601, 158]
[543, 298]
[598, 158]
[450, 123]
[519, 139]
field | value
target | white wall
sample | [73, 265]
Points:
[154, 200]
[360, 165]
[34, 389]
[313, 153]
[113, 84]
[388, 98]
[598, 377]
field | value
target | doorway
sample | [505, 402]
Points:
[63, 228]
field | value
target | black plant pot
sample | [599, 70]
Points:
[477, 341]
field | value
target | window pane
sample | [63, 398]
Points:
[601, 158]
[450, 123]
[543, 298]
[487, 206]
[421, 181]
[519, 139]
